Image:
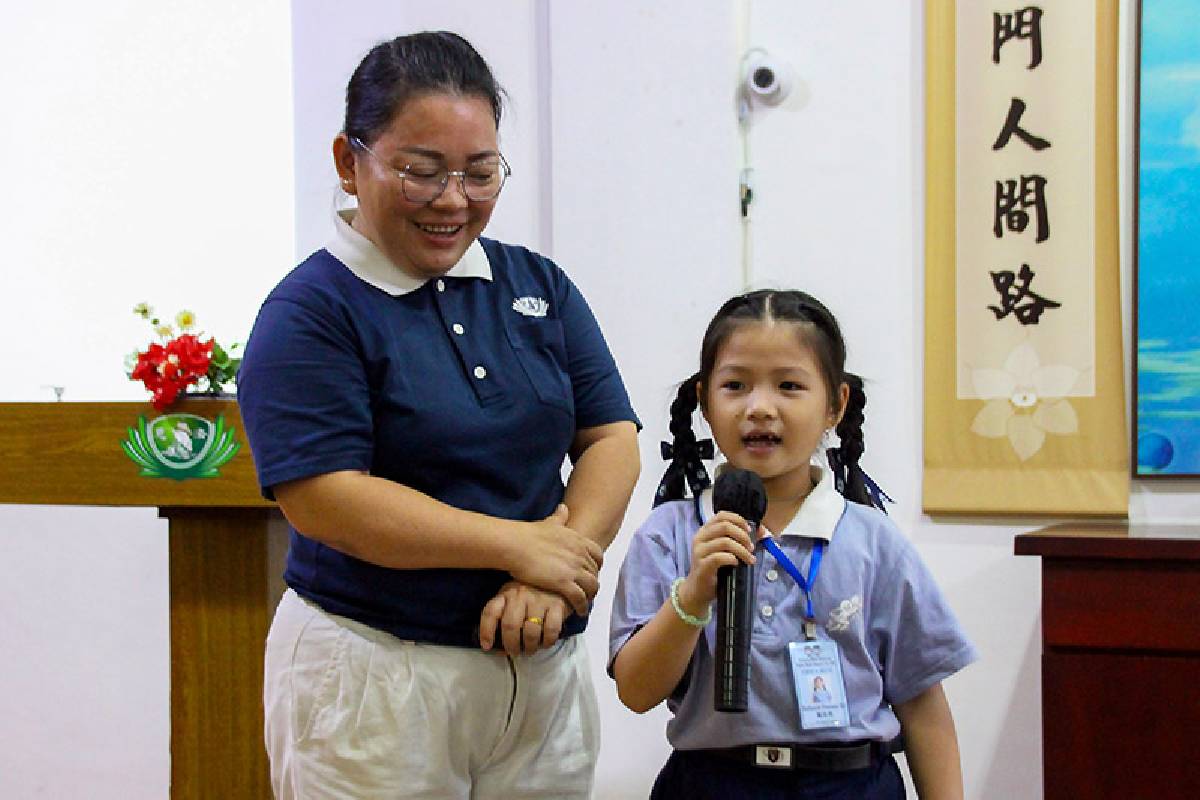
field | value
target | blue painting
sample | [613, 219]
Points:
[1168, 241]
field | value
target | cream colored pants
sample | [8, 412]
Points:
[352, 712]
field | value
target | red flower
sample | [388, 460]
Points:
[166, 371]
[193, 355]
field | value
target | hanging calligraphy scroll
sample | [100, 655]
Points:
[1167, 356]
[1024, 399]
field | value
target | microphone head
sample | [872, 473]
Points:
[742, 492]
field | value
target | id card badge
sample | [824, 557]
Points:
[820, 690]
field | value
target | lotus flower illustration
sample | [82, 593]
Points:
[1025, 401]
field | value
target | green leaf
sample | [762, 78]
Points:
[224, 447]
[138, 450]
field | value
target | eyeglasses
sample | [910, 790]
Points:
[423, 181]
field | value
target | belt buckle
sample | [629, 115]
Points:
[775, 756]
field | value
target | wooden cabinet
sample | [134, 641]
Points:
[1120, 660]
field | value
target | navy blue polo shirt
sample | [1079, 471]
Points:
[469, 388]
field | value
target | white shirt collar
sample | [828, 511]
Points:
[365, 260]
[818, 515]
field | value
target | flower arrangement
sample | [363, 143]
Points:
[179, 360]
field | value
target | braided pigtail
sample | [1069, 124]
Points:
[849, 477]
[849, 431]
[684, 452]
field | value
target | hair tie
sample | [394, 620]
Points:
[685, 465]
[842, 474]
[702, 449]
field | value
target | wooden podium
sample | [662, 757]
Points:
[1120, 659]
[225, 545]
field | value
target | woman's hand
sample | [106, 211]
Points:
[721, 542]
[529, 618]
[549, 555]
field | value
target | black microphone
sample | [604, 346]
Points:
[742, 492]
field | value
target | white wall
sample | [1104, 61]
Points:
[147, 146]
[172, 125]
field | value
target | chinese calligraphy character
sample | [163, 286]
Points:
[1025, 23]
[1012, 294]
[1012, 127]
[1012, 202]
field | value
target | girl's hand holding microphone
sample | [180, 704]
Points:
[653, 662]
[721, 542]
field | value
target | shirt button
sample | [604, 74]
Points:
[480, 373]
[772, 575]
[441, 285]
[767, 611]
[459, 329]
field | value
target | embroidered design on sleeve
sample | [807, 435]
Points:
[531, 306]
[841, 616]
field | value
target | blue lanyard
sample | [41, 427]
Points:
[814, 565]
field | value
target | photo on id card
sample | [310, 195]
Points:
[820, 690]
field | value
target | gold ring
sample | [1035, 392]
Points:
[534, 620]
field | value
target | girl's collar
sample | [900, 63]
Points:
[818, 515]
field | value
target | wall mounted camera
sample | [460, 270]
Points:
[765, 81]
[768, 79]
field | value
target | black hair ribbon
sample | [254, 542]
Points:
[841, 476]
[685, 462]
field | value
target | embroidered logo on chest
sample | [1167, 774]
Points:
[845, 611]
[531, 306]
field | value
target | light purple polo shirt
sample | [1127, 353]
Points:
[873, 596]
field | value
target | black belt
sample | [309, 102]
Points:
[819, 757]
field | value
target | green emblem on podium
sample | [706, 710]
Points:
[180, 446]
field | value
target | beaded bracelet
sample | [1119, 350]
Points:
[695, 622]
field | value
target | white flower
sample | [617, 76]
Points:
[845, 611]
[1025, 401]
[531, 306]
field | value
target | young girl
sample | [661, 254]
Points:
[839, 591]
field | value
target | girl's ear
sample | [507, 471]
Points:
[839, 410]
[700, 404]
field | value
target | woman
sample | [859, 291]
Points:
[409, 393]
